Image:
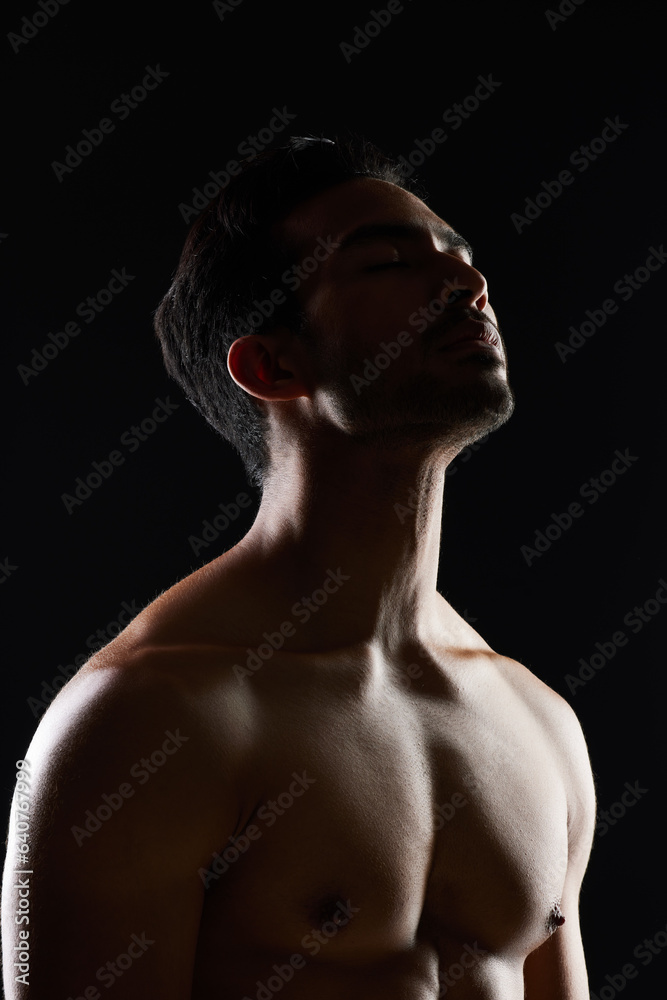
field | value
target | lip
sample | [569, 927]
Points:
[472, 332]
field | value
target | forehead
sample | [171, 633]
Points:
[345, 207]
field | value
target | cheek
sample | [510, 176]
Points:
[353, 317]
[384, 311]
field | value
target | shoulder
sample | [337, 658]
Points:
[135, 781]
[562, 728]
[132, 702]
[556, 715]
[150, 749]
[174, 664]
[552, 708]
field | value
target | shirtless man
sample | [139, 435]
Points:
[299, 771]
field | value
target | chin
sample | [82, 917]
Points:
[431, 408]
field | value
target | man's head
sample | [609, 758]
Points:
[297, 275]
[230, 268]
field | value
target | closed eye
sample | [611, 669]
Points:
[389, 263]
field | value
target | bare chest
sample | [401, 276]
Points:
[383, 816]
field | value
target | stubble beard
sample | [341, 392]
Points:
[425, 412]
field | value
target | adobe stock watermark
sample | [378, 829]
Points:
[212, 529]
[591, 490]
[88, 309]
[409, 674]
[609, 817]
[581, 158]
[468, 959]
[565, 9]
[645, 952]
[247, 151]
[132, 439]
[221, 7]
[635, 620]
[413, 671]
[95, 641]
[409, 508]
[6, 569]
[454, 117]
[625, 287]
[293, 277]
[650, 947]
[312, 942]
[268, 814]
[390, 350]
[364, 34]
[31, 26]
[122, 107]
[303, 611]
[108, 973]
[142, 770]
[465, 455]
[21, 818]
[446, 811]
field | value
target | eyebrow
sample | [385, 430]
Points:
[404, 231]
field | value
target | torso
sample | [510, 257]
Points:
[422, 847]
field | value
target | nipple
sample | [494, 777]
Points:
[555, 918]
[330, 909]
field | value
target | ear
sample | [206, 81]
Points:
[263, 366]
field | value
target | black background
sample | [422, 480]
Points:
[71, 572]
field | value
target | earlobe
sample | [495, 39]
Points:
[253, 364]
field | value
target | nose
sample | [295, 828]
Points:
[463, 283]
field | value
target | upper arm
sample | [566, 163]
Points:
[557, 970]
[127, 801]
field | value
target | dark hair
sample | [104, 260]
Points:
[229, 262]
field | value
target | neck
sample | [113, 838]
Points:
[372, 517]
